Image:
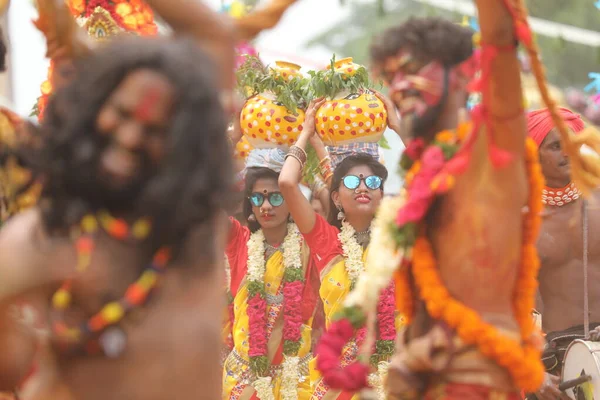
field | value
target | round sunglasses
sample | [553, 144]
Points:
[257, 199]
[352, 182]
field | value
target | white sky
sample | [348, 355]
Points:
[302, 22]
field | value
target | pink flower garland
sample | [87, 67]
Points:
[386, 314]
[292, 316]
[351, 378]
[420, 192]
[257, 317]
[354, 376]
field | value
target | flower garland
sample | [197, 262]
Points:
[293, 279]
[386, 322]
[430, 172]
[523, 362]
[230, 305]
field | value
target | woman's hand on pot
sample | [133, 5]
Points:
[390, 107]
[309, 127]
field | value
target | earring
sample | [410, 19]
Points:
[252, 218]
[341, 216]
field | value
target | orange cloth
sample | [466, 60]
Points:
[539, 123]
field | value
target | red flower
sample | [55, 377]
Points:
[257, 321]
[420, 194]
[386, 314]
[292, 305]
[415, 148]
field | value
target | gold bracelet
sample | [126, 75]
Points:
[299, 152]
[325, 169]
[325, 160]
[297, 159]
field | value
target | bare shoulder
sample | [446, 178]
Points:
[23, 251]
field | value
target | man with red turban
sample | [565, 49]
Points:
[560, 248]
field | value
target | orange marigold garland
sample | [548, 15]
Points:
[522, 360]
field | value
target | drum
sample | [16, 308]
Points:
[582, 359]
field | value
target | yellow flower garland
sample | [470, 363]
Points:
[522, 360]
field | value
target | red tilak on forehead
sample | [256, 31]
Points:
[143, 110]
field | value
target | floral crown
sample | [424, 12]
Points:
[101, 19]
[106, 18]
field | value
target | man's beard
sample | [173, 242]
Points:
[98, 192]
[423, 126]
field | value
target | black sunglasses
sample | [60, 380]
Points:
[373, 182]
[257, 199]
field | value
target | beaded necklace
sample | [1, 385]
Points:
[560, 196]
[109, 341]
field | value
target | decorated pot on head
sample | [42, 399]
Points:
[352, 116]
[272, 115]
[242, 148]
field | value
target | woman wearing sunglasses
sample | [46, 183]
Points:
[339, 246]
[271, 293]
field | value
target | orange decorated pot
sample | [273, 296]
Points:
[351, 118]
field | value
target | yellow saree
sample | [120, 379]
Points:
[237, 377]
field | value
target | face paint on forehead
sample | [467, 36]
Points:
[144, 110]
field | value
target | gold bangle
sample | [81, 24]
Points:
[299, 152]
[324, 161]
[297, 159]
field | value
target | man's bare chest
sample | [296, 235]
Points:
[567, 233]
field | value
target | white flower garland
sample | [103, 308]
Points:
[376, 379]
[292, 258]
[263, 388]
[353, 252]
[290, 376]
[382, 260]
[227, 274]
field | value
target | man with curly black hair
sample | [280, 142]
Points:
[466, 259]
[122, 254]
[433, 53]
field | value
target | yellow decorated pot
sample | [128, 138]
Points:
[345, 66]
[351, 118]
[286, 70]
[266, 123]
[242, 149]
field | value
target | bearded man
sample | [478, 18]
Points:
[459, 293]
[568, 223]
[122, 254]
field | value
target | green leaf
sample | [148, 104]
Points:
[253, 78]
[259, 365]
[383, 143]
[291, 348]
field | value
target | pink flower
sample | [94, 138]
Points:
[257, 321]
[433, 159]
[420, 195]
[292, 316]
[351, 378]
[386, 314]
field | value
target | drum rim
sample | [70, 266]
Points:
[576, 341]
